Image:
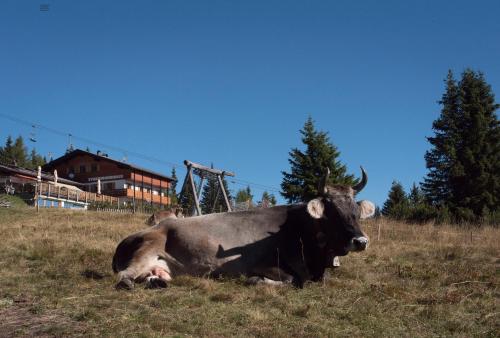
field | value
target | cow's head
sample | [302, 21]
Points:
[338, 213]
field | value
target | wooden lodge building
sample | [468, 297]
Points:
[47, 190]
[131, 184]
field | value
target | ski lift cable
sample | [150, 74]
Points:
[149, 158]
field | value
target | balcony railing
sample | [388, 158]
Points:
[73, 195]
[139, 195]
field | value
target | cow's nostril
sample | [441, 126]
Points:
[360, 243]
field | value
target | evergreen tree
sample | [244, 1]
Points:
[16, 153]
[186, 199]
[6, 153]
[70, 149]
[396, 205]
[476, 176]
[212, 199]
[244, 195]
[35, 160]
[415, 197]
[20, 152]
[464, 163]
[268, 199]
[308, 167]
[173, 188]
[440, 159]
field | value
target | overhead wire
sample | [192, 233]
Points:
[149, 158]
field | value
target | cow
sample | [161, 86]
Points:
[282, 244]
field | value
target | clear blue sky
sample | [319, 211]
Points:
[232, 82]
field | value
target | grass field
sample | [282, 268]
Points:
[415, 281]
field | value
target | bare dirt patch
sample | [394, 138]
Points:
[22, 318]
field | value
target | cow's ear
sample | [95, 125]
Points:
[366, 209]
[316, 208]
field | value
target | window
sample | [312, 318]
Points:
[83, 169]
[71, 169]
[94, 167]
[109, 186]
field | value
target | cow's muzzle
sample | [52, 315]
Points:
[359, 243]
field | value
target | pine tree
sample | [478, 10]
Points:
[212, 199]
[70, 149]
[268, 200]
[415, 197]
[20, 153]
[186, 199]
[6, 153]
[440, 159]
[173, 188]
[396, 205]
[35, 160]
[464, 162]
[308, 167]
[476, 175]
[244, 195]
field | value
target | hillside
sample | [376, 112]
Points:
[416, 281]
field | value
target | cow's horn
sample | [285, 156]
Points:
[322, 184]
[364, 179]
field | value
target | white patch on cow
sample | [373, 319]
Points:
[271, 282]
[316, 208]
[366, 209]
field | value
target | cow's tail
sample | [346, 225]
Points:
[170, 260]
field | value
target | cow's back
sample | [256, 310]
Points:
[205, 243]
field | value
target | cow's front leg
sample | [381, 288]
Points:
[254, 280]
[270, 276]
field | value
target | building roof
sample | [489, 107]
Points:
[77, 152]
[33, 174]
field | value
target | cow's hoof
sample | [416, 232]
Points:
[125, 284]
[156, 283]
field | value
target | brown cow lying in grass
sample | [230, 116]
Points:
[289, 243]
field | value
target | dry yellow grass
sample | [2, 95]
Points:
[414, 281]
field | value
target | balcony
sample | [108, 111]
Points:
[139, 195]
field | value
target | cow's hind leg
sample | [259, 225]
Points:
[155, 282]
[255, 280]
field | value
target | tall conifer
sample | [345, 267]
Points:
[212, 199]
[396, 205]
[442, 156]
[308, 167]
[464, 161]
